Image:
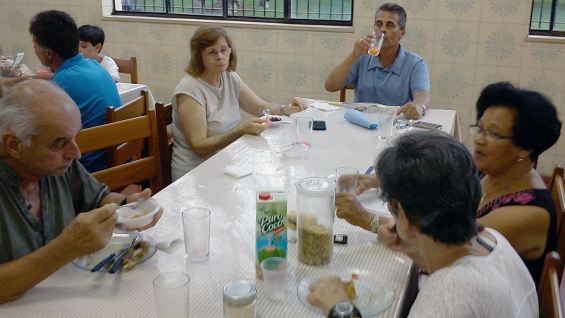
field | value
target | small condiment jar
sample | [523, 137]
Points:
[240, 299]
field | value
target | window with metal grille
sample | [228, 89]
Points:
[548, 18]
[319, 12]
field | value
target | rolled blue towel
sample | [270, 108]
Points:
[357, 118]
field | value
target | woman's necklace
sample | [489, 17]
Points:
[485, 193]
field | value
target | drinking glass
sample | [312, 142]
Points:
[386, 119]
[171, 291]
[375, 48]
[196, 227]
[346, 179]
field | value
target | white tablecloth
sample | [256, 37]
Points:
[75, 292]
[129, 92]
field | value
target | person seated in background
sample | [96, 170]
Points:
[91, 40]
[55, 40]
[432, 189]
[207, 100]
[10, 76]
[53, 210]
[514, 126]
[395, 77]
[6, 69]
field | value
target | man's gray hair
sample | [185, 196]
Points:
[18, 107]
[394, 8]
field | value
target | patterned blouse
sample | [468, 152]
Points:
[532, 197]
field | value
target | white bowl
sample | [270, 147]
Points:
[139, 215]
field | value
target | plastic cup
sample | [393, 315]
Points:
[171, 290]
[304, 130]
[196, 227]
[386, 119]
[275, 275]
[347, 183]
[42, 69]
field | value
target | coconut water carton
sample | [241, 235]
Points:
[271, 226]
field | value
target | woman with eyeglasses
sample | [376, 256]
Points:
[514, 126]
[207, 100]
[432, 189]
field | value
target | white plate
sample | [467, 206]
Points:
[115, 244]
[371, 298]
[284, 120]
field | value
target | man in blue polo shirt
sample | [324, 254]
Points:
[55, 41]
[395, 77]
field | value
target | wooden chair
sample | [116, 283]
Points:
[558, 194]
[108, 135]
[548, 291]
[558, 191]
[128, 67]
[342, 92]
[164, 115]
[121, 153]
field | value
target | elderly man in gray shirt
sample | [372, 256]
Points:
[51, 209]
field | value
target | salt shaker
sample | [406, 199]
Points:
[240, 299]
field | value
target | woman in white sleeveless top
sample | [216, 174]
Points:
[207, 100]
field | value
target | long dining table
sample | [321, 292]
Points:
[130, 91]
[75, 292]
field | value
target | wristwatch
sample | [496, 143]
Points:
[281, 110]
[424, 110]
[375, 224]
[344, 310]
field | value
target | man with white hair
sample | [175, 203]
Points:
[51, 209]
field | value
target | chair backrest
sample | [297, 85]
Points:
[124, 152]
[548, 290]
[558, 194]
[342, 92]
[558, 191]
[164, 115]
[139, 128]
[128, 67]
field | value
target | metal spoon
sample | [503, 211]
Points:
[266, 113]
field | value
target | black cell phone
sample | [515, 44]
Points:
[319, 125]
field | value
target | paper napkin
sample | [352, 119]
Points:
[237, 171]
[323, 106]
[164, 237]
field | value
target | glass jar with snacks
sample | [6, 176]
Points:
[240, 299]
[315, 205]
